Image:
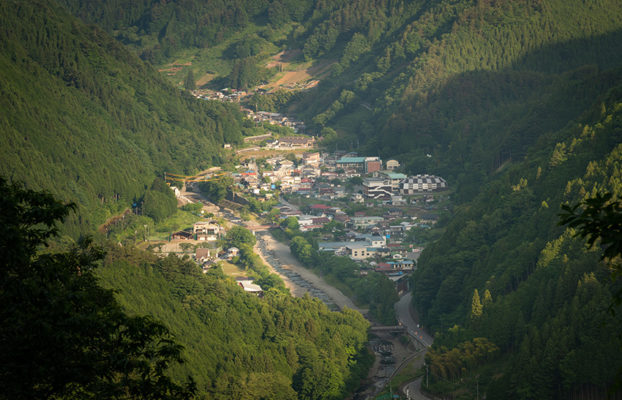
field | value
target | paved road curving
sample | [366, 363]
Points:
[403, 310]
[405, 315]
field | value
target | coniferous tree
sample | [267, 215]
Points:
[476, 306]
[487, 298]
[190, 83]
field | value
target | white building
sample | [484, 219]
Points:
[421, 183]
[207, 230]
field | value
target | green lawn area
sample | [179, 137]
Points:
[180, 220]
[232, 270]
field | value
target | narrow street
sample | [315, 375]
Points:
[405, 316]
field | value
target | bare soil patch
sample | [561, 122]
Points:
[304, 77]
[204, 79]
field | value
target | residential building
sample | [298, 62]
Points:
[333, 247]
[372, 164]
[360, 251]
[392, 165]
[365, 221]
[182, 235]
[232, 252]
[397, 200]
[377, 188]
[373, 240]
[311, 158]
[249, 287]
[207, 230]
[296, 141]
[421, 183]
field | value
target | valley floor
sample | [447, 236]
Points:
[281, 254]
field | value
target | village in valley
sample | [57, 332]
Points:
[356, 206]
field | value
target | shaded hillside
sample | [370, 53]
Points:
[548, 297]
[158, 30]
[473, 85]
[86, 119]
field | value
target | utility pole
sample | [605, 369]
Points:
[427, 382]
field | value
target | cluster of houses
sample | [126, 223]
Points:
[274, 119]
[226, 94]
[209, 232]
[314, 174]
[235, 96]
[373, 240]
[205, 234]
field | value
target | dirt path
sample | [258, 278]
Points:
[281, 252]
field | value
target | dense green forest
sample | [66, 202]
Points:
[85, 118]
[516, 103]
[506, 272]
[452, 87]
[236, 344]
[64, 336]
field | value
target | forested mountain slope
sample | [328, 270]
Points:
[517, 103]
[86, 119]
[504, 270]
[473, 84]
[238, 345]
[63, 336]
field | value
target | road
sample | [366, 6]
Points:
[405, 316]
[412, 390]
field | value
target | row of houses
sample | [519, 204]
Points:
[291, 142]
[366, 247]
[274, 119]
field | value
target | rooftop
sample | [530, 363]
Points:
[320, 207]
[348, 160]
[395, 175]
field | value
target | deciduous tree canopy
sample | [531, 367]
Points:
[61, 334]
